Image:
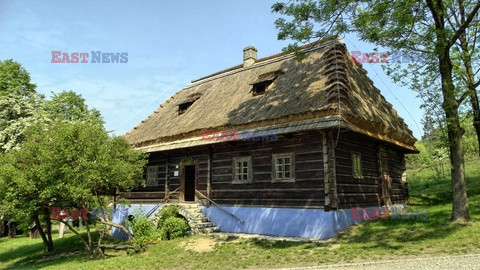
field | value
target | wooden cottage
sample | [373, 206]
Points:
[287, 147]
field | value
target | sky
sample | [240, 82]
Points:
[169, 44]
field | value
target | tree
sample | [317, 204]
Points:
[17, 113]
[18, 104]
[68, 164]
[14, 79]
[69, 106]
[416, 27]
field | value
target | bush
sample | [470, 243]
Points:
[173, 227]
[143, 229]
[167, 212]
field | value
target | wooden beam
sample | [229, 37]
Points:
[167, 177]
[209, 172]
[326, 172]
[332, 170]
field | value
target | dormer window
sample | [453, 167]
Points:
[183, 107]
[262, 84]
[260, 88]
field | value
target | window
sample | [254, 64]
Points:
[357, 165]
[283, 167]
[152, 176]
[182, 108]
[264, 81]
[259, 88]
[242, 169]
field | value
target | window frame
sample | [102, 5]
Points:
[275, 165]
[357, 172]
[155, 167]
[249, 173]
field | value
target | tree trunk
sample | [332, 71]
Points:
[48, 224]
[460, 210]
[450, 104]
[470, 79]
[476, 114]
[12, 229]
[89, 236]
[47, 244]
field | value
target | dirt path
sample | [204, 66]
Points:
[471, 261]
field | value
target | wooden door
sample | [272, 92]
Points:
[385, 181]
[189, 183]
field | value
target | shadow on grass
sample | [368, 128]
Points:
[29, 255]
[267, 244]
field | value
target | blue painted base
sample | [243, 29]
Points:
[308, 223]
[294, 222]
[121, 214]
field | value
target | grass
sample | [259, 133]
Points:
[373, 240]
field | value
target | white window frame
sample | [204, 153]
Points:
[282, 168]
[240, 171]
[357, 165]
[152, 176]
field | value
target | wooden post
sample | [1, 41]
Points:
[384, 176]
[209, 173]
[326, 175]
[332, 171]
[167, 182]
[329, 171]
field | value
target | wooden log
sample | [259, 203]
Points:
[118, 247]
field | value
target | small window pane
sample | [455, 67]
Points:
[279, 161]
[287, 174]
[245, 164]
[279, 175]
[287, 160]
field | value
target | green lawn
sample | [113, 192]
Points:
[380, 239]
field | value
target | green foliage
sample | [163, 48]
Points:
[15, 80]
[143, 229]
[174, 227]
[18, 104]
[167, 212]
[66, 164]
[434, 148]
[69, 106]
[171, 224]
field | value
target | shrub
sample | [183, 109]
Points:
[173, 227]
[143, 229]
[167, 212]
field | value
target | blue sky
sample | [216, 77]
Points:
[169, 44]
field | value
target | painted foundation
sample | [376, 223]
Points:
[292, 222]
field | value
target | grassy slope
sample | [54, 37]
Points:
[381, 239]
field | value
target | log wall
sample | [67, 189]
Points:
[306, 191]
[214, 175]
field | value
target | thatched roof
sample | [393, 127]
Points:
[325, 84]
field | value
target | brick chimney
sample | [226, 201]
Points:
[249, 56]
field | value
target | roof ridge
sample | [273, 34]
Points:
[265, 60]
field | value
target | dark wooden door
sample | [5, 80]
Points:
[385, 177]
[189, 184]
